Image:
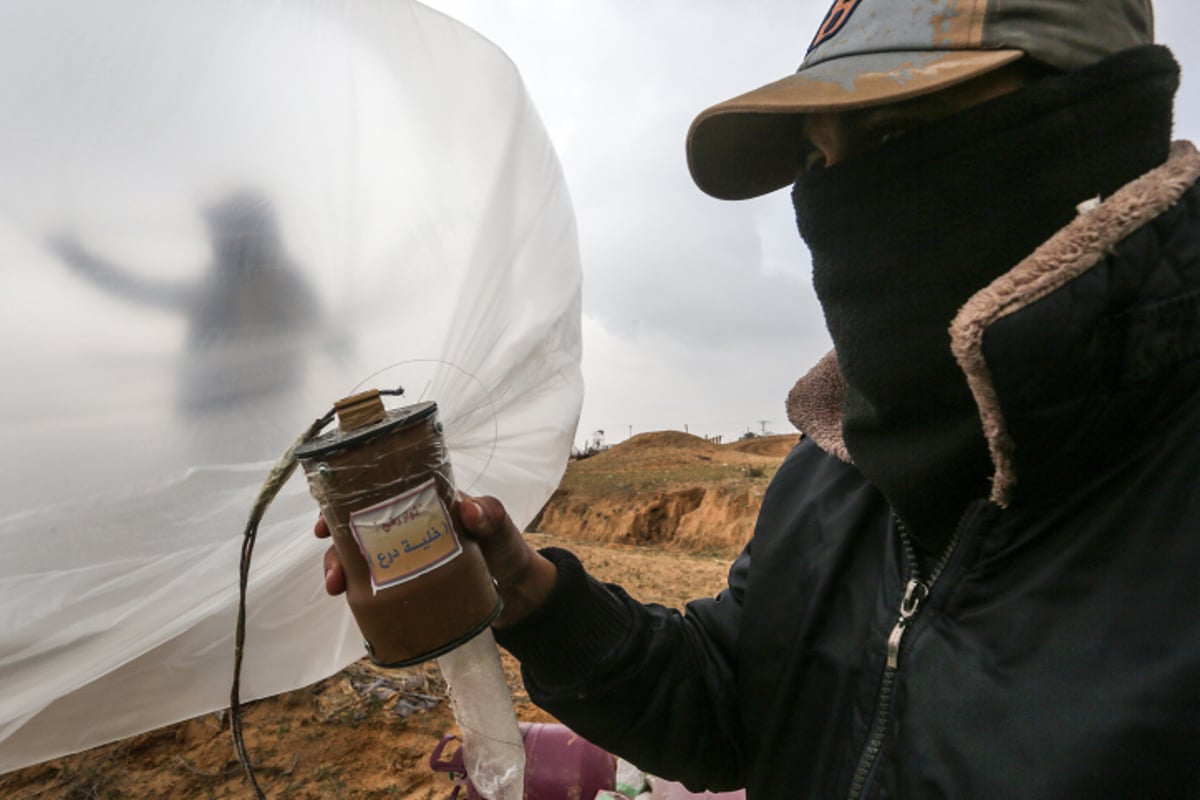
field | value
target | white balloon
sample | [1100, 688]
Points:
[215, 219]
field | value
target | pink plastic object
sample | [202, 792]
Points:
[670, 790]
[559, 764]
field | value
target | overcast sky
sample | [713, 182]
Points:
[698, 313]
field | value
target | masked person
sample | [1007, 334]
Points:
[975, 576]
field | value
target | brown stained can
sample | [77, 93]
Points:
[416, 586]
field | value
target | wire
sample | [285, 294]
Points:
[276, 478]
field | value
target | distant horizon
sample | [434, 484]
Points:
[707, 437]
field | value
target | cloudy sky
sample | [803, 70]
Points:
[698, 313]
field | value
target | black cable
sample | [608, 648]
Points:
[276, 478]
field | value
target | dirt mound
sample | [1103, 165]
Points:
[648, 449]
[664, 439]
[668, 490]
[773, 446]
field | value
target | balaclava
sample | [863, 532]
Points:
[903, 235]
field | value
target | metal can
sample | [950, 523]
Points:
[416, 586]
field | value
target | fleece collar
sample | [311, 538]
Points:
[814, 405]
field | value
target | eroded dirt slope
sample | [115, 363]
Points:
[668, 490]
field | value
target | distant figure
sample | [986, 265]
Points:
[245, 316]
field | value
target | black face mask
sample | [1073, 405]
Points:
[902, 236]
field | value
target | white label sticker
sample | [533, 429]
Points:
[405, 536]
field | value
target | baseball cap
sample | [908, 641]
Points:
[871, 52]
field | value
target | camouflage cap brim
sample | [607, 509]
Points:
[751, 144]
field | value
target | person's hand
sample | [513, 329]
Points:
[523, 577]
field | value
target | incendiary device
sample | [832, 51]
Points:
[416, 586]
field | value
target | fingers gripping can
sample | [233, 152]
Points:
[417, 587]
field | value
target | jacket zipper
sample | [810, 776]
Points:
[915, 593]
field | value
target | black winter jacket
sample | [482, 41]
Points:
[1054, 650]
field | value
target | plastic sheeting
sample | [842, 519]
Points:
[215, 219]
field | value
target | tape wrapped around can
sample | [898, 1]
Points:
[416, 585]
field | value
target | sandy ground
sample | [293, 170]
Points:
[367, 732]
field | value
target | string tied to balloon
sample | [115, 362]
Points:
[275, 480]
